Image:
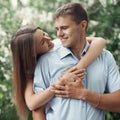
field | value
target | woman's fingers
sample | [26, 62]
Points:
[57, 87]
[79, 71]
[58, 90]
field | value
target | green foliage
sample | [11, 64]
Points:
[105, 23]
[8, 23]
[108, 25]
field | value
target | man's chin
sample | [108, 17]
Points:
[65, 45]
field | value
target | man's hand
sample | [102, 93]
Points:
[72, 89]
[70, 84]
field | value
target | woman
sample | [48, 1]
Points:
[27, 45]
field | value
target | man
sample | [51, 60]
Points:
[78, 100]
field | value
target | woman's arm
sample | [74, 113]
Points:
[96, 46]
[39, 114]
[34, 101]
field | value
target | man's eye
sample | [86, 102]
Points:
[64, 27]
[56, 29]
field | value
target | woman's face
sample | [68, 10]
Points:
[43, 42]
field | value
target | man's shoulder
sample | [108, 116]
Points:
[106, 55]
[106, 52]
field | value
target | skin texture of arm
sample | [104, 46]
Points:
[34, 101]
[75, 90]
[106, 100]
[96, 46]
[38, 114]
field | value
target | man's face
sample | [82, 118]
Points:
[68, 31]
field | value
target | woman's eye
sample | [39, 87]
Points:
[43, 41]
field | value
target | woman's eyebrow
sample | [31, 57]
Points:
[43, 33]
[39, 28]
[42, 40]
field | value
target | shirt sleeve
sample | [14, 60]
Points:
[41, 76]
[113, 74]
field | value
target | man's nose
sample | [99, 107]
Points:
[60, 33]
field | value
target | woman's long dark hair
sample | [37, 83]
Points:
[24, 61]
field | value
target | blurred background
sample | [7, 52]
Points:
[104, 21]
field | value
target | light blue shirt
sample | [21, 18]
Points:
[102, 75]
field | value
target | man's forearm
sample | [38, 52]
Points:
[110, 101]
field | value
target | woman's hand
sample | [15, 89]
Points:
[73, 74]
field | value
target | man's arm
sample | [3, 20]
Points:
[76, 90]
[107, 101]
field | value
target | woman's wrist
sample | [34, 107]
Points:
[49, 89]
[78, 66]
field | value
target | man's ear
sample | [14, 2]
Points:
[83, 24]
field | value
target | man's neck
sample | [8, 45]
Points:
[78, 50]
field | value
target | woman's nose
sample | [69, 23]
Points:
[47, 37]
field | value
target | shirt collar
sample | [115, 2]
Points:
[65, 51]
[85, 49]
